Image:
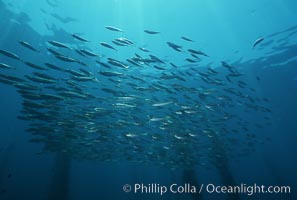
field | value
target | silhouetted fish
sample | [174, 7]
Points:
[107, 46]
[112, 28]
[110, 73]
[151, 32]
[197, 52]
[186, 39]
[79, 38]
[9, 54]
[89, 53]
[144, 49]
[27, 45]
[58, 44]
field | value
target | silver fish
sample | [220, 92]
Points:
[162, 104]
[258, 41]
[82, 79]
[5, 66]
[66, 58]
[39, 79]
[9, 54]
[58, 44]
[110, 73]
[35, 66]
[186, 39]
[197, 52]
[27, 45]
[79, 38]
[112, 28]
[107, 46]
[55, 53]
[151, 32]
[124, 41]
[89, 53]
[144, 49]
[55, 67]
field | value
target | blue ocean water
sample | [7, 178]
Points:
[155, 108]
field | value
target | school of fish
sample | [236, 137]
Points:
[145, 109]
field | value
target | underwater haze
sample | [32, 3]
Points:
[148, 99]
